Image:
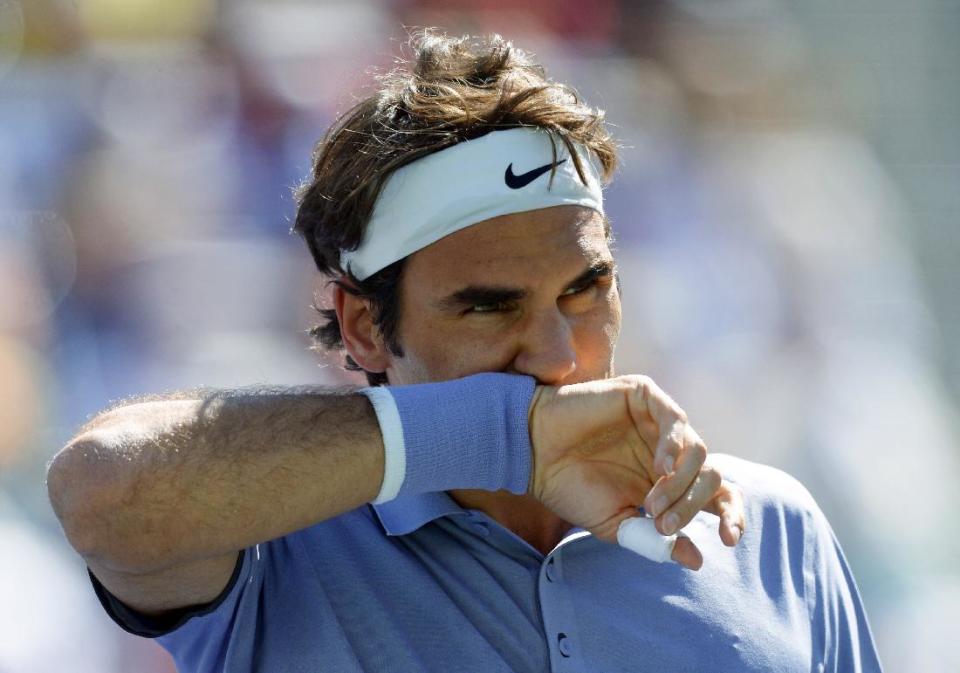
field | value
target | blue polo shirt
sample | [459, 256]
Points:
[421, 584]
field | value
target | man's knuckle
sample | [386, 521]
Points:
[698, 452]
[687, 508]
[712, 478]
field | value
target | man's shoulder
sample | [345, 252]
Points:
[782, 517]
[765, 486]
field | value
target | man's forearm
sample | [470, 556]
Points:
[168, 481]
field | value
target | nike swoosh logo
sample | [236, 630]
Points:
[524, 179]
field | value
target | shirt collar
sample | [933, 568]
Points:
[409, 512]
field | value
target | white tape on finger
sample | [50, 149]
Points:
[640, 535]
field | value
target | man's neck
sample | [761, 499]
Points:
[522, 514]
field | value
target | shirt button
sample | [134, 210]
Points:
[551, 571]
[481, 529]
[566, 647]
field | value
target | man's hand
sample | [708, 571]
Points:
[603, 448]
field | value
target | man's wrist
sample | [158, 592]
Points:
[464, 433]
[394, 448]
[538, 391]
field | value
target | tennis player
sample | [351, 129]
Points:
[497, 499]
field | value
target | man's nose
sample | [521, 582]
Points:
[548, 352]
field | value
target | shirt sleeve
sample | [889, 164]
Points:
[147, 626]
[841, 640]
[841, 632]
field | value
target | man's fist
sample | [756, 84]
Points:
[603, 448]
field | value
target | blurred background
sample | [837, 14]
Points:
[786, 219]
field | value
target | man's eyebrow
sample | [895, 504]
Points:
[599, 269]
[473, 295]
[480, 294]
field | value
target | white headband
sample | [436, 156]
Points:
[496, 174]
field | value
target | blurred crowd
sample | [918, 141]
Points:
[777, 271]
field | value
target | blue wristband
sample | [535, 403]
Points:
[465, 433]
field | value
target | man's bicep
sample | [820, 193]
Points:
[156, 603]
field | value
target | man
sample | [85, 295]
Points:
[463, 512]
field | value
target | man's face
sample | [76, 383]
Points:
[531, 293]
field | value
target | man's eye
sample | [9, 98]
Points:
[492, 307]
[602, 282]
[576, 290]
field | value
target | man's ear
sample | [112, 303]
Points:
[361, 338]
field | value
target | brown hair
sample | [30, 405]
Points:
[451, 90]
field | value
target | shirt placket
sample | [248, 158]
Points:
[556, 610]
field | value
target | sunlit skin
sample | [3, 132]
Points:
[530, 293]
